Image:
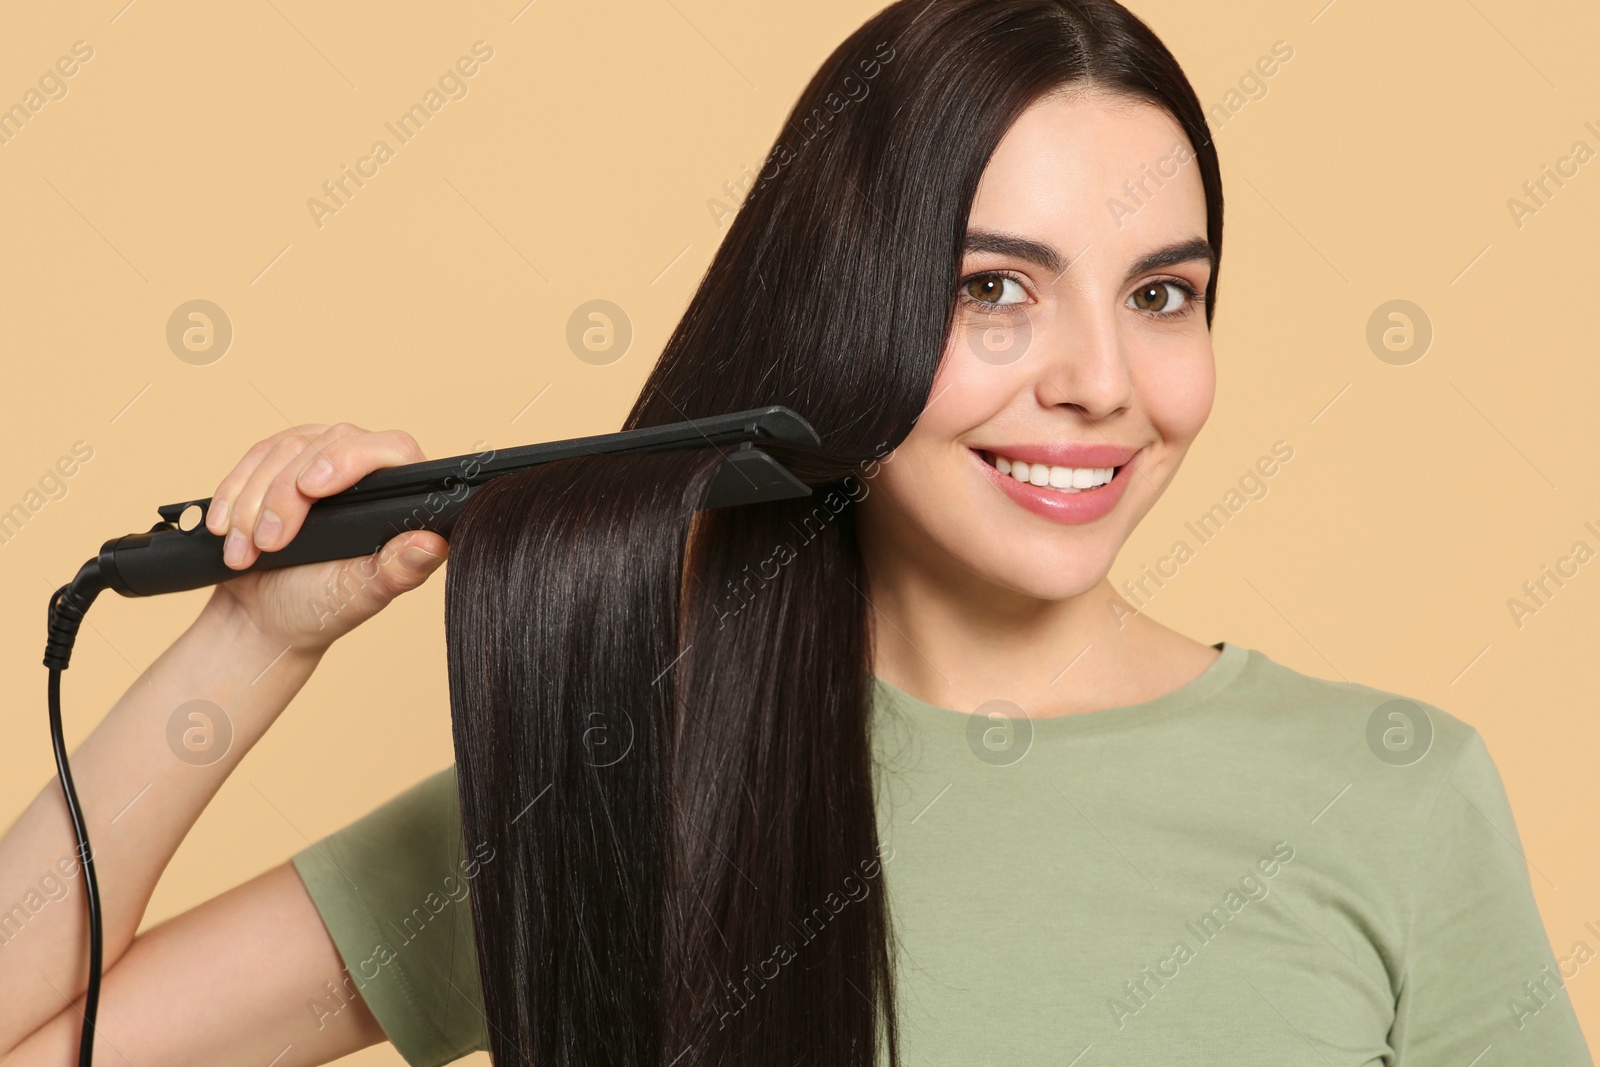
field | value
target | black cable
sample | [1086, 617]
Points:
[91, 887]
[67, 607]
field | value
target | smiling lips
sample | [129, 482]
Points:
[1063, 483]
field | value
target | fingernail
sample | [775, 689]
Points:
[267, 528]
[233, 548]
[418, 559]
[217, 517]
[316, 476]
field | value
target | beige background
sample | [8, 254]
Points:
[1377, 166]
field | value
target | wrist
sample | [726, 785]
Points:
[224, 620]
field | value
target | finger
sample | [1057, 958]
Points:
[228, 488]
[348, 460]
[246, 517]
[349, 451]
[284, 501]
[370, 582]
[411, 557]
[407, 560]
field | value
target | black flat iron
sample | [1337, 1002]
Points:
[429, 495]
[169, 557]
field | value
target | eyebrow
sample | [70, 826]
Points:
[1046, 256]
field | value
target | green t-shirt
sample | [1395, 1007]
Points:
[1260, 868]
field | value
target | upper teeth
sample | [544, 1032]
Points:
[1069, 478]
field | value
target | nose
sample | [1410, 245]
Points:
[1082, 363]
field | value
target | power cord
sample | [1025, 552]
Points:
[67, 607]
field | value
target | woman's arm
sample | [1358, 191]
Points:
[239, 979]
[125, 772]
[249, 651]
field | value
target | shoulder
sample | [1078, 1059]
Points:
[1385, 776]
[1398, 800]
[1364, 726]
[420, 824]
[393, 889]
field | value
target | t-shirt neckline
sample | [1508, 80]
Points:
[1213, 680]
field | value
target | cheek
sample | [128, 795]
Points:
[922, 492]
[1177, 396]
[966, 392]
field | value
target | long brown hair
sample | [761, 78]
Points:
[653, 905]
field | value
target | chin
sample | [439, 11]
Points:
[1050, 573]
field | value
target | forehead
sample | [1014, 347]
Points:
[1062, 173]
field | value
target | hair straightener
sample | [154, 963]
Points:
[429, 495]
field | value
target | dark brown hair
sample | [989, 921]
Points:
[662, 716]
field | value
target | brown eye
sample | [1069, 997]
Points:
[990, 288]
[1161, 298]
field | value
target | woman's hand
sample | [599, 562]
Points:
[261, 505]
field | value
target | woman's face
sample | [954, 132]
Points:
[1080, 344]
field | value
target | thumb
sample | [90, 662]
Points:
[406, 561]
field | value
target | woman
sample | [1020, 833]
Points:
[975, 793]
